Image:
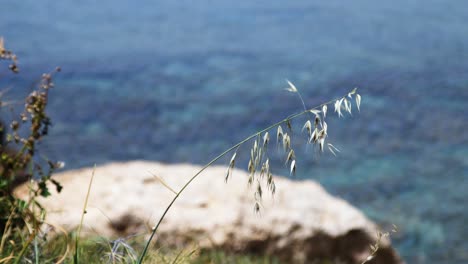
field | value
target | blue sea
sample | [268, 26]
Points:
[180, 81]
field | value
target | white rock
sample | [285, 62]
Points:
[300, 222]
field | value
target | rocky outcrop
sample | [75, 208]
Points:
[300, 223]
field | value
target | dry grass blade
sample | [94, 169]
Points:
[288, 124]
[347, 105]
[233, 160]
[279, 134]
[120, 251]
[324, 110]
[332, 149]
[162, 182]
[338, 106]
[7, 229]
[65, 233]
[2, 46]
[76, 255]
[255, 147]
[270, 180]
[314, 111]
[376, 246]
[232, 163]
[350, 94]
[251, 169]
[291, 87]
[286, 142]
[176, 259]
[291, 156]
[324, 128]
[259, 157]
[293, 167]
[313, 137]
[321, 143]
[266, 139]
[358, 101]
[316, 121]
[7, 259]
[259, 190]
[308, 126]
[257, 207]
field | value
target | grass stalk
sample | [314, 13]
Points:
[148, 242]
[76, 255]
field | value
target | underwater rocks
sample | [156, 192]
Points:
[300, 223]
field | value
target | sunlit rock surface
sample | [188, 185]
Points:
[301, 222]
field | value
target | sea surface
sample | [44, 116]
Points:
[180, 81]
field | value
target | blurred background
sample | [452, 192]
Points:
[180, 81]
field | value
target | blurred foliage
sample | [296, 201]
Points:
[21, 220]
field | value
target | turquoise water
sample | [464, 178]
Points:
[180, 81]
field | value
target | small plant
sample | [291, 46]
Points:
[259, 163]
[20, 162]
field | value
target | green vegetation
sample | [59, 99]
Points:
[58, 249]
[21, 221]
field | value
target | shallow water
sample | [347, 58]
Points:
[179, 81]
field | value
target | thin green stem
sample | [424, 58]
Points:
[211, 163]
[77, 252]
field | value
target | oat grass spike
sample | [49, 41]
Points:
[259, 163]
